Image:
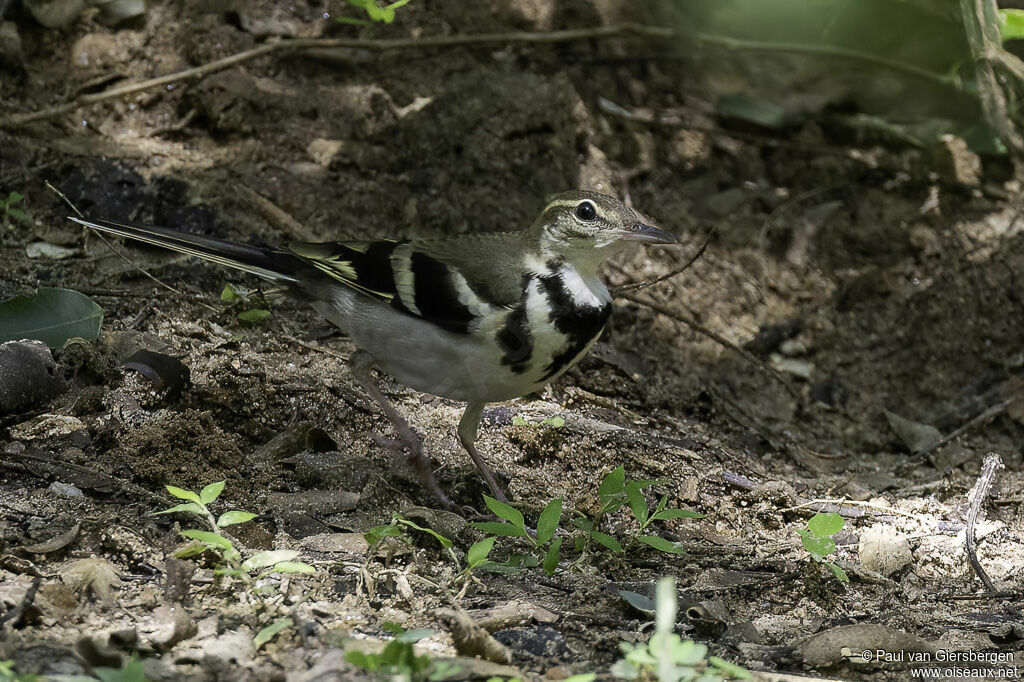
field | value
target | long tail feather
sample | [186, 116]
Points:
[278, 266]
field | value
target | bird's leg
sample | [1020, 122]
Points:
[467, 435]
[360, 364]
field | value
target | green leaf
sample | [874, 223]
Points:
[606, 540]
[1011, 24]
[52, 316]
[661, 544]
[445, 542]
[254, 315]
[505, 530]
[551, 558]
[377, 534]
[232, 517]
[208, 538]
[183, 494]
[547, 524]
[612, 483]
[211, 492]
[360, 660]
[14, 198]
[292, 567]
[837, 571]
[189, 507]
[817, 547]
[414, 635]
[637, 503]
[505, 511]
[17, 214]
[229, 294]
[268, 633]
[667, 514]
[825, 525]
[479, 552]
[730, 669]
[268, 558]
[190, 550]
[583, 524]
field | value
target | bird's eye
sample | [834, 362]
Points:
[586, 211]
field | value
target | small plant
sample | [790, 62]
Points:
[7, 208]
[614, 493]
[7, 674]
[513, 525]
[374, 12]
[817, 540]
[398, 529]
[232, 294]
[398, 659]
[669, 658]
[230, 561]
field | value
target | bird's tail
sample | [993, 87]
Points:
[277, 266]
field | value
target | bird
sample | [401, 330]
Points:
[476, 318]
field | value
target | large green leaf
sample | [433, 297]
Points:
[52, 316]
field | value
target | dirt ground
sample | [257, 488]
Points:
[858, 297]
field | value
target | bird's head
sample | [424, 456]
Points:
[589, 227]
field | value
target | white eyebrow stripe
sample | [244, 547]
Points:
[576, 202]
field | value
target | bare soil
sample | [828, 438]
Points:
[853, 293]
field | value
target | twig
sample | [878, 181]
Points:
[301, 44]
[991, 412]
[110, 246]
[643, 285]
[977, 496]
[839, 503]
[982, 28]
[278, 216]
[701, 329]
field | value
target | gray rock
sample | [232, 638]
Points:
[28, 375]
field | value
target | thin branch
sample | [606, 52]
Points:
[110, 246]
[717, 338]
[982, 28]
[977, 496]
[826, 51]
[985, 416]
[303, 44]
[643, 285]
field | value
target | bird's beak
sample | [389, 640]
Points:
[648, 234]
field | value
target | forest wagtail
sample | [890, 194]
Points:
[475, 318]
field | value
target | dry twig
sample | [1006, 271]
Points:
[305, 44]
[977, 496]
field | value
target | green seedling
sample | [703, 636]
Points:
[230, 562]
[398, 659]
[232, 294]
[7, 208]
[817, 540]
[616, 492]
[374, 12]
[398, 529]
[669, 658]
[544, 544]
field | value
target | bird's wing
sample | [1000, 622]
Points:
[453, 283]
